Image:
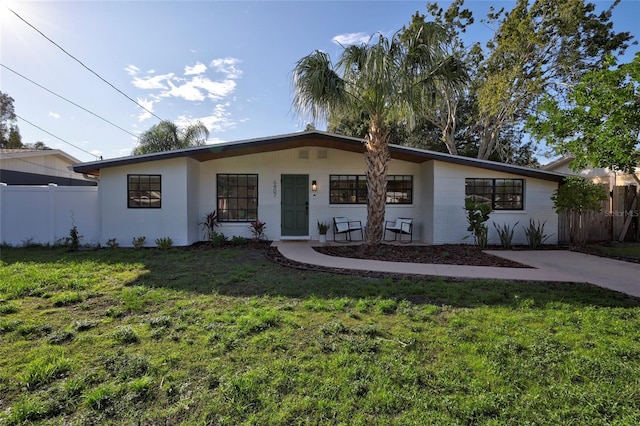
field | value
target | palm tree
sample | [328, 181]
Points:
[165, 136]
[389, 82]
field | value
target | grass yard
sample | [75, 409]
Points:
[225, 337]
[625, 250]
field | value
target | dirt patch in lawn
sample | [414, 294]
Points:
[448, 254]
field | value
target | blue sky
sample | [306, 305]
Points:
[227, 64]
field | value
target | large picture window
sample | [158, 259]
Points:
[237, 197]
[144, 191]
[352, 189]
[500, 194]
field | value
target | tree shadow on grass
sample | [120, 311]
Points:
[247, 272]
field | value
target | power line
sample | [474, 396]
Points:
[59, 138]
[85, 66]
[71, 102]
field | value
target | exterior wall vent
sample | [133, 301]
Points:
[303, 154]
[322, 154]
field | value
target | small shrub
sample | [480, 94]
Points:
[138, 242]
[477, 215]
[164, 243]
[323, 228]
[257, 229]
[209, 225]
[112, 243]
[218, 238]
[505, 232]
[238, 241]
[125, 335]
[73, 241]
[535, 234]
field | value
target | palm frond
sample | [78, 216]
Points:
[317, 87]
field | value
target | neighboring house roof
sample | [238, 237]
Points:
[597, 174]
[311, 138]
[25, 166]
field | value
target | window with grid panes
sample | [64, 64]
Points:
[237, 197]
[500, 194]
[352, 189]
[144, 191]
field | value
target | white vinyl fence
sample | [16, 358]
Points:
[46, 214]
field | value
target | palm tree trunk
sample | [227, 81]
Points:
[377, 158]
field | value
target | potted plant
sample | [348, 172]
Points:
[322, 230]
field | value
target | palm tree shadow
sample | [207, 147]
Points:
[250, 273]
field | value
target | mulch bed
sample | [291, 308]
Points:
[448, 254]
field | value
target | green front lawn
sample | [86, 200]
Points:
[227, 337]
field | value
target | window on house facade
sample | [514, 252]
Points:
[144, 191]
[352, 189]
[237, 197]
[500, 194]
[399, 189]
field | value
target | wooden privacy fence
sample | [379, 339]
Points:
[619, 213]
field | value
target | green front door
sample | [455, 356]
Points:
[295, 205]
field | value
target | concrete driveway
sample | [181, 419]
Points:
[547, 265]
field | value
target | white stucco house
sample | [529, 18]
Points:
[292, 181]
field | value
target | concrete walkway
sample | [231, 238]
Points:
[547, 265]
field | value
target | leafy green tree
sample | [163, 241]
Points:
[9, 133]
[600, 126]
[575, 197]
[383, 82]
[166, 136]
[539, 48]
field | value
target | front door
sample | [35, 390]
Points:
[295, 205]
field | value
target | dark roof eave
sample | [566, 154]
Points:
[314, 138]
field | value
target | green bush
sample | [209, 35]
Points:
[218, 238]
[138, 242]
[535, 234]
[477, 215]
[164, 243]
[505, 232]
[113, 243]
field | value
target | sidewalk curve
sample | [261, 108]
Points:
[547, 265]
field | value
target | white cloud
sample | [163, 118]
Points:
[351, 38]
[198, 68]
[54, 114]
[227, 66]
[155, 82]
[143, 115]
[218, 121]
[132, 70]
[199, 83]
